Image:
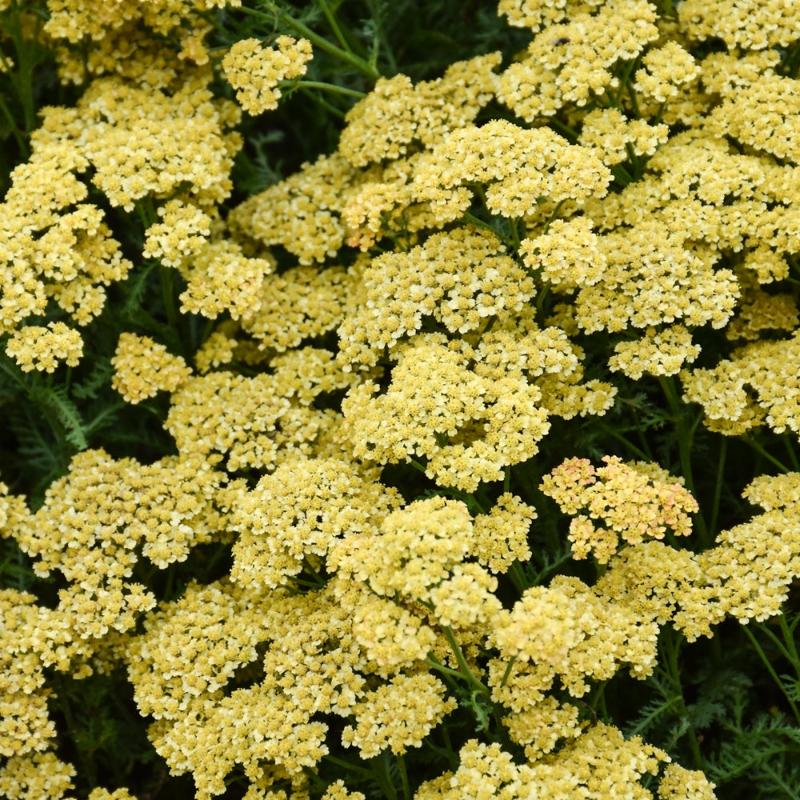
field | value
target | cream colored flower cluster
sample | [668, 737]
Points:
[42, 347]
[456, 286]
[255, 71]
[571, 62]
[630, 501]
[52, 245]
[460, 279]
[397, 112]
[143, 367]
[598, 763]
[471, 411]
[746, 574]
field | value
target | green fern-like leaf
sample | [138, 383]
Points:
[90, 386]
[56, 399]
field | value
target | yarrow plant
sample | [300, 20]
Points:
[401, 400]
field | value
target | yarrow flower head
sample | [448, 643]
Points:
[631, 501]
[255, 71]
[41, 348]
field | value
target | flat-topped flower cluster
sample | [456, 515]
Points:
[617, 183]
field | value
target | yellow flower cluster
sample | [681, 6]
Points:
[52, 245]
[665, 69]
[600, 763]
[177, 137]
[255, 71]
[746, 574]
[568, 631]
[301, 303]
[298, 512]
[567, 255]
[612, 135]
[88, 528]
[536, 163]
[630, 501]
[257, 422]
[661, 352]
[460, 279]
[302, 212]
[42, 347]
[569, 62]
[397, 112]
[143, 367]
[767, 368]
[439, 406]
[38, 775]
[398, 715]
[424, 254]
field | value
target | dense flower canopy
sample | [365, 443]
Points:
[388, 385]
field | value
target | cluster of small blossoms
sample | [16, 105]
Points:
[255, 71]
[571, 59]
[460, 279]
[569, 632]
[598, 763]
[664, 70]
[756, 385]
[630, 501]
[746, 574]
[657, 352]
[143, 367]
[53, 246]
[397, 112]
[613, 136]
[42, 348]
[455, 348]
[149, 42]
[471, 411]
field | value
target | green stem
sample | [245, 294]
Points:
[24, 77]
[464, 667]
[762, 452]
[22, 142]
[541, 296]
[673, 667]
[401, 768]
[634, 101]
[333, 23]
[723, 451]
[776, 641]
[323, 103]
[598, 703]
[791, 645]
[771, 670]
[340, 762]
[432, 662]
[315, 39]
[417, 465]
[387, 784]
[507, 671]
[518, 578]
[623, 440]
[167, 280]
[564, 129]
[685, 436]
[792, 455]
[326, 87]
[470, 217]
[624, 82]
